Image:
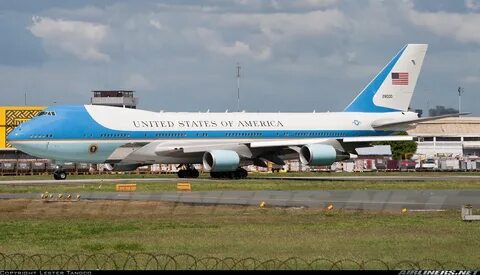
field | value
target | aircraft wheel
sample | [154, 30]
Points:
[182, 174]
[240, 173]
[193, 173]
[243, 173]
[60, 175]
[216, 175]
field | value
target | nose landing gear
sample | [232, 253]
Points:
[59, 173]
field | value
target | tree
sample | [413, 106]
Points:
[400, 149]
[441, 110]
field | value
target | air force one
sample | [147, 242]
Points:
[224, 142]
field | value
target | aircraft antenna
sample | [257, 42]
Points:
[238, 87]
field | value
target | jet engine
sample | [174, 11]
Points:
[221, 160]
[320, 154]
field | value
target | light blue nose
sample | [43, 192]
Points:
[14, 135]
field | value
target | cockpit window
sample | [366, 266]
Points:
[49, 113]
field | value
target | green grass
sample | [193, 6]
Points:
[258, 184]
[33, 227]
[133, 175]
[367, 173]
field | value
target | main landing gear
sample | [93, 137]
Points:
[188, 172]
[240, 173]
[59, 173]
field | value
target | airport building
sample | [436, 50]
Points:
[456, 137]
[116, 98]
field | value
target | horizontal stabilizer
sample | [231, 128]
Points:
[385, 124]
[378, 138]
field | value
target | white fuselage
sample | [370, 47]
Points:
[69, 133]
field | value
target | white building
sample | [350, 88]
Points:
[448, 137]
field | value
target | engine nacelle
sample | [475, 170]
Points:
[221, 160]
[319, 154]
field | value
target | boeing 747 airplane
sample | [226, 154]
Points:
[224, 142]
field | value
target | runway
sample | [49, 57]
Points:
[346, 199]
[441, 177]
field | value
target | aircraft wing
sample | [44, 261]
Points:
[246, 149]
[382, 124]
[286, 143]
[273, 150]
[241, 148]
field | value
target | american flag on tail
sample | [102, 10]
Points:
[399, 78]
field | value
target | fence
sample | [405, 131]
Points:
[35, 167]
[25, 167]
[151, 261]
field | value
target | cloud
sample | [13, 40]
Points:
[472, 4]
[277, 25]
[473, 79]
[156, 24]
[138, 82]
[214, 43]
[17, 45]
[81, 39]
[281, 33]
[462, 27]
[287, 49]
[313, 3]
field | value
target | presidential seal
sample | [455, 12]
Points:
[93, 148]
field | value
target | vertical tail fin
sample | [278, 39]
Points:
[392, 89]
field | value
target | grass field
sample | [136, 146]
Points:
[139, 228]
[33, 227]
[251, 174]
[257, 184]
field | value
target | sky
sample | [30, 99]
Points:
[295, 56]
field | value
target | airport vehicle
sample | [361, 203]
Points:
[427, 165]
[224, 142]
[407, 165]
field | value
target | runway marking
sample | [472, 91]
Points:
[169, 197]
[348, 199]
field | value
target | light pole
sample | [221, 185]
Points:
[238, 87]
[460, 91]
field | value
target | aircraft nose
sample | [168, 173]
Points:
[15, 134]
[18, 133]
